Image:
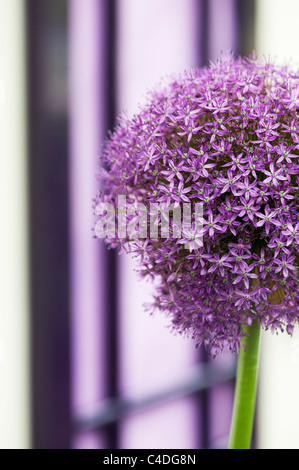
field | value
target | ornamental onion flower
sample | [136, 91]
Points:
[226, 137]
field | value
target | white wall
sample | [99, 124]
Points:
[278, 407]
[14, 370]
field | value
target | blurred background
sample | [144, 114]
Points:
[82, 365]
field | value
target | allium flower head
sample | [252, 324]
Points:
[226, 137]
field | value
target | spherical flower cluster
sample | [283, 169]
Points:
[225, 136]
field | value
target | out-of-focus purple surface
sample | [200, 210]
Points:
[155, 39]
[86, 51]
[222, 27]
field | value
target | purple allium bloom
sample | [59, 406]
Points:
[226, 136]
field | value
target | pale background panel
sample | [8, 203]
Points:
[277, 32]
[14, 331]
[277, 36]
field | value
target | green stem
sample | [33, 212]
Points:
[245, 391]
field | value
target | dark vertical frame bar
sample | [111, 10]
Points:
[203, 397]
[49, 245]
[111, 288]
[204, 33]
[205, 402]
[245, 10]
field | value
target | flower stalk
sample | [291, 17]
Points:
[245, 391]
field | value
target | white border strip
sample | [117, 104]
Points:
[14, 331]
